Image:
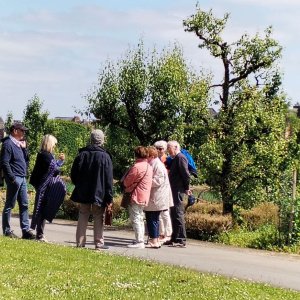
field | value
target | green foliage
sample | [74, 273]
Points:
[48, 271]
[71, 136]
[147, 97]
[35, 120]
[120, 144]
[9, 121]
[265, 237]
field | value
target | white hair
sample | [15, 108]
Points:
[175, 144]
[161, 144]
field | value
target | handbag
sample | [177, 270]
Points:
[126, 199]
[108, 217]
[191, 200]
[54, 195]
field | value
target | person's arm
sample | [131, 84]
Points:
[75, 169]
[184, 172]
[130, 179]
[158, 175]
[108, 182]
[6, 153]
[61, 159]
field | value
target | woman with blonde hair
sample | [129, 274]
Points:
[46, 167]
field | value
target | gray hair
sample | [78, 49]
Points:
[97, 137]
[161, 144]
[175, 144]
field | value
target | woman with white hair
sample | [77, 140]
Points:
[165, 225]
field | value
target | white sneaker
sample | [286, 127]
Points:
[42, 239]
[137, 245]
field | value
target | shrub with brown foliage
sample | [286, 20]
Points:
[206, 226]
[263, 214]
[206, 208]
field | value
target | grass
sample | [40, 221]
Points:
[46, 271]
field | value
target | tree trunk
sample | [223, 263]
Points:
[227, 208]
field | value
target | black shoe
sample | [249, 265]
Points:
[11, 235]
[28, 235]
[168, 243]
[180, 244]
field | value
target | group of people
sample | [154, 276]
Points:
[156, 191]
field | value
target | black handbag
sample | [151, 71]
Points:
[126, 199]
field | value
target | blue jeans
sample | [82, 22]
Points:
[152, 218]
[16, 191]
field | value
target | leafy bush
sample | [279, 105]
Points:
[265, 237]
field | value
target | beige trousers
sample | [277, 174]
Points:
[165, 224]
[85, 210]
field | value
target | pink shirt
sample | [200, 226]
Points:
[139, 180]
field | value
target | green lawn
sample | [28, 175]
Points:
[31, 270]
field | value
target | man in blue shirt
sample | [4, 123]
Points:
[14, 163]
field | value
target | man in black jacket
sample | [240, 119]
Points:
[179, 177]
[14, 163]
[92, 175]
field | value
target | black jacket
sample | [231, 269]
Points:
[41, 168]
[92, 175]
[179, 174]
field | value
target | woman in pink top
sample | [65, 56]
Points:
[138, 180]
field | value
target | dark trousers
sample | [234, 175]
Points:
[177, 218]
[152, 219]
[38, 220]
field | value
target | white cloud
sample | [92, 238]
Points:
[58, 53]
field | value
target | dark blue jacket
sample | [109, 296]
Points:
[179, 174]
[14, 160]
[41, 168]
[92, 175]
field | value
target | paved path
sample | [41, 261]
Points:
[277, 269]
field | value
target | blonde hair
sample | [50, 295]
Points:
[48, 143]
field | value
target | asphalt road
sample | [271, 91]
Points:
[277, 269]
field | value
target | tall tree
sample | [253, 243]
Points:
[9, 121]
[35, 120]
[245, 143]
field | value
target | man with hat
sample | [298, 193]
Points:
[14, 163]
[92, 175]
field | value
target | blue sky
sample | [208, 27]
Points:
[56, 48]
